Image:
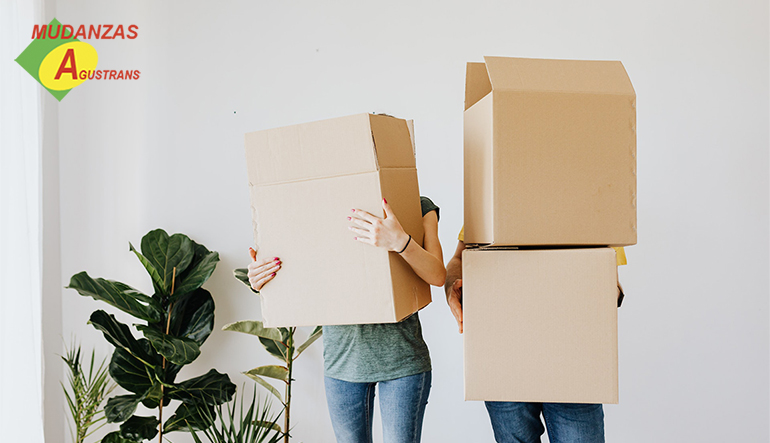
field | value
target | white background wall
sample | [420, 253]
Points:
[167, 151]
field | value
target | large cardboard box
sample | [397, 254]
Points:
[304, 181]
[550, 153]
[540, 325]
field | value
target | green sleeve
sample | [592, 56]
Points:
[428, 205]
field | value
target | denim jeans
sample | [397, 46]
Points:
[402, 403]
[515, 422]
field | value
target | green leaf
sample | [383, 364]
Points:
[268, 424]
[275, 348]
[166, 253]
[119, 295]
[192, 316]
[265, 384]
[212, 388]
[190, 416]
[115, 437]
[253, 327]
[272, 371]
[202, 266]
[118, 334]
[139, 428]
[120, 408]
[180, 351]
[315, 335]
[130, 373]
[157, 279]
[242, 274]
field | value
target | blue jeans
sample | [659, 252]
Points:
[515, 422]
[402, 403]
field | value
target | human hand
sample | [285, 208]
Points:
[385, 233]
[454, 299]
[261, 272]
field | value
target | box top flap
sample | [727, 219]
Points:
[327, 148]
[581, 76]
[392, 142]
[477, 83]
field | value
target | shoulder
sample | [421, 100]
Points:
[428, 206]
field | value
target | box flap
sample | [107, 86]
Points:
[477, 83]
[326, 148]
[392, 142]
[581, 76]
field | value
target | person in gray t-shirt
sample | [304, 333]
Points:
[391, 355]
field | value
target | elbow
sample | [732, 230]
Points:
[439, 278]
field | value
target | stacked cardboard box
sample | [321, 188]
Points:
[550, 162]
[304, 180]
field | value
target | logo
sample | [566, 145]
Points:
[59, 61]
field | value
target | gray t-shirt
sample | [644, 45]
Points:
[377, 352]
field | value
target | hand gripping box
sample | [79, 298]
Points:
[550, 153]
[304, 180]
[540, 325]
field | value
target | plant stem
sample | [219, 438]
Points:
[289, 366]
[162, 387]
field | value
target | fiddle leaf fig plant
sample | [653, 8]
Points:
[279, 342]
[174, 322]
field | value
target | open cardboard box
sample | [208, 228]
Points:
[550, 153]
[304, 180]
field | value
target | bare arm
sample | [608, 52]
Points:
[454, 284]
[427, 260]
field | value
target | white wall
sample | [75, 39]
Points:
[167, 151]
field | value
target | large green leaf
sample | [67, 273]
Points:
[192, 316]
[254, 327]
[117, 294]
[211, 388]
[199, 270]
[157, 279]
[139, 428]
[115, 437]
[120, 408]
[242, 274]
[315, 335]
[118, 334]
[130, 373]
[180, 351]
[166, 253]
[190, 416]
[265, 384]
[272, 371]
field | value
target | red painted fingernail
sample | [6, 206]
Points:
[355, 238]
[348, 218]
[273, 274]
[384, 200]
[352, 210]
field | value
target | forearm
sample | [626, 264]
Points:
[426, 265]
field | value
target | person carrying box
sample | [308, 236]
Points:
[519, 422]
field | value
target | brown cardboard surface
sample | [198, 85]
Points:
[550, 153]
[300, 215]
[540, 325]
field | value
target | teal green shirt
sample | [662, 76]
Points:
[377, 352]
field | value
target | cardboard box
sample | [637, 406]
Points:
[550, 153]
[304, 181]
[540, 325]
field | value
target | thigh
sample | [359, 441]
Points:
[515, 422]
[574, 422]
[402, 403]
[351, 406]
